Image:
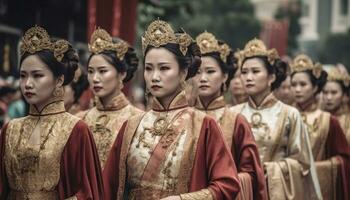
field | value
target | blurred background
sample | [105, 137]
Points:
[319, 28]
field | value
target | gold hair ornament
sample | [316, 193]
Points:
[336, 75]
[37, 39]
[256, 47]
[303, 62]
[101, 41]
[209, 44]
[160, 33]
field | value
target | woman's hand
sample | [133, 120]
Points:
[172, 198]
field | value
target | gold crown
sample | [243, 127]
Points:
[209, 44]
[160, 33]
[37, 39]
[303, 62]
[256, 47]
[101, 41]
[336, 75]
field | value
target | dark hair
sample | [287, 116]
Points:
[66, 67]
[279, 69]
[319, 82]
[191, 61]
[79, 85]
[129, 64]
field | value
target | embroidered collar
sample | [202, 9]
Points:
[214, 104]
[309, 106]
[178, 102]
[52, 108]
[268, 102]
[117, 103]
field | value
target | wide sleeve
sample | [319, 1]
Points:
[4, 185]
[80, 172]
[337, 146]
[214, 169]
[111, 169]
[247, 157]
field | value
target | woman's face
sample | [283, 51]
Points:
[332, 95]
[104, 79]
[255, 77]
[209, 78]
[162, 73]
[302, 88]
[37, 82]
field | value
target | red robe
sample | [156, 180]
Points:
[212, 166]
[79, 174]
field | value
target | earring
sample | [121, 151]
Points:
[58, 92]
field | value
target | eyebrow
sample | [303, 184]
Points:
[98, 67]
[33, 71]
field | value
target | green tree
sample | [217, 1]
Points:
[335, 49]
[231, 21]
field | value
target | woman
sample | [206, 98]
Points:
[278, 128]
[334, 94]
[111, 64]
[172, 151]
[329, 147]
[213, 76]
[49, 154]
[74, 91]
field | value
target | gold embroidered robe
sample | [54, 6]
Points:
[170, 151]
[330, 150]
[63, 166]
[105, 121]
[239, 137]
[284, 149]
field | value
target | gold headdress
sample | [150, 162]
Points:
[37, 39]
[160, 33]
[303, 62]
[209, 44]
[256, 47]
[101, 41]
[336, 75]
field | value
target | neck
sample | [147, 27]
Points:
[304, 105]
[106, 100]
[165, 101]
[259, 98]
[206, 100]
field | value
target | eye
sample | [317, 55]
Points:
[211, 71]
[256, 71]
[163, 68]
[244, 72]
[38, 75]
[22, 75]
[148, 68]
[90, 71]
[102, 71]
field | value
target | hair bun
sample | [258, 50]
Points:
[281, 73]
[70, 62]
[132, 62]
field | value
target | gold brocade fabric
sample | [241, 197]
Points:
[105, 121]
[343, 116]
[317, 124]
[173, 172]
[33, 171]
[225, 117]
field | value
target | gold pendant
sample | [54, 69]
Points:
[256, 119]
[159, 126]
